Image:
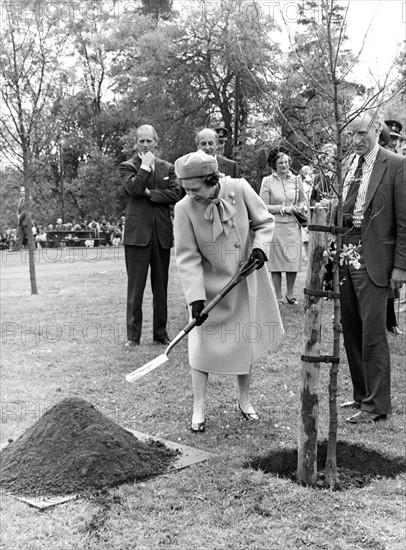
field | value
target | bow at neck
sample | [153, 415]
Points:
[220, 213]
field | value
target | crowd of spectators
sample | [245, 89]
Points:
[95, 232]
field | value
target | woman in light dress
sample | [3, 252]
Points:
[283, 195]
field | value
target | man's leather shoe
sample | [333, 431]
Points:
[363, 417]
[163, 341]
[350, 405]
[131, 343]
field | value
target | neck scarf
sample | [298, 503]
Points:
[220, 213]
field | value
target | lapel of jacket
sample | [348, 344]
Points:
[136, 162]
[376, 177]
[346, 167]
[158, 171]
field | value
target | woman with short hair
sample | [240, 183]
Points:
[283, 195]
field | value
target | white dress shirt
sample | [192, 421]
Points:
[367, 167]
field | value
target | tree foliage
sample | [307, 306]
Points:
[307, 89]
[80, 80]
[158, 9]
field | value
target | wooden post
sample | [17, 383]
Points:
[309, 413]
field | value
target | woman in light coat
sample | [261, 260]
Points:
[283, 195]
[220, 224]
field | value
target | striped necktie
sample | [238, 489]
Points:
[349, 203]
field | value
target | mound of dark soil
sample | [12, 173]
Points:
[73, 449]
[356, 465]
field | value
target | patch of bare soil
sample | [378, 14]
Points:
[357, 465]
[73, 448]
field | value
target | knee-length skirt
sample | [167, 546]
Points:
[286, 247]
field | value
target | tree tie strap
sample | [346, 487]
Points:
[329, 294]
[328, 229]
[320, 359]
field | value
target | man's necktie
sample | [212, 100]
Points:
[349, 203]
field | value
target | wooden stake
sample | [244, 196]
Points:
[309, 413]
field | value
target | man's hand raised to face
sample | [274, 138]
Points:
[148, 158]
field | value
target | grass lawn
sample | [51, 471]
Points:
[68, 341]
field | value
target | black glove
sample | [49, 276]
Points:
[257, 254]
[197, 308]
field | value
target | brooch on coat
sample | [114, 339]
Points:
[232, 196]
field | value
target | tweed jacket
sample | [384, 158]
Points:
[383, 231]
[143, 213]
[384, 223]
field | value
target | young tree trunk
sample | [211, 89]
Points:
[31, 254]
[331, 460]
[308, 422]
[28, 205]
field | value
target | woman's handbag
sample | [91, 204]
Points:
[300, 218]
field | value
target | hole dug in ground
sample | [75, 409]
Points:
[357, 465]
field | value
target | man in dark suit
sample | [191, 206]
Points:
[150, 186]
[207, 140]
[374, 211]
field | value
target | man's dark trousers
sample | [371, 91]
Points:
[138, 259]
[363, 315]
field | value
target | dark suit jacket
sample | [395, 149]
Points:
[142, 213]
[227, 167]
[384, 224]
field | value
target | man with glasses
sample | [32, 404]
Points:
[374, 207]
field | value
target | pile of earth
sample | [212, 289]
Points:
[73, 448]
[357, 465]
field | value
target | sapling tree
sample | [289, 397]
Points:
[326, 101]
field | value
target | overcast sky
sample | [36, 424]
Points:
[388, 30]
[386, 17]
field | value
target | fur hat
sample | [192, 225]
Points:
[195, 165]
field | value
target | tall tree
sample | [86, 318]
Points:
[88, 37]
[30, 47]
[158, 9]
[229, 52]
[205, 67]
[305, 116]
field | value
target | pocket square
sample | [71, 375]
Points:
[166, 177]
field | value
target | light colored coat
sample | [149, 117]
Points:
[246, 323]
